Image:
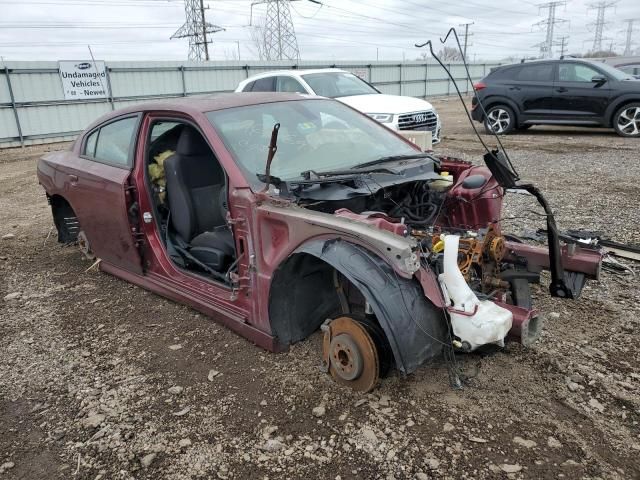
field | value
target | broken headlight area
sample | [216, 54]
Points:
[451, 210]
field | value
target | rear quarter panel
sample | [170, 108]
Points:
[98, 198]
[52, 172]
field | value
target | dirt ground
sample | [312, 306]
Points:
[102, 380]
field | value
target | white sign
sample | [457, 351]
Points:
[83, 79]
[360, 72]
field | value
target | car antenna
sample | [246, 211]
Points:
[273, 148]
[455, 84]
[506, 176]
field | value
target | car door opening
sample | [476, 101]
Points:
[189, 191]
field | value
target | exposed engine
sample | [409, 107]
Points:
[421, 209]
[415, 204]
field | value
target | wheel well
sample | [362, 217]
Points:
[305, 291]
[618, 107]
[64, 218]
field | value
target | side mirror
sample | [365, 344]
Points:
[599, 79]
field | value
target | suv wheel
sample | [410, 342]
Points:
[627, 120]
[500, 119]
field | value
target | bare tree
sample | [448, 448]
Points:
[447, 54]
[450, 54]
[600, 54]
[231, 54]
[258, 42]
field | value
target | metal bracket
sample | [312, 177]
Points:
[326, 342]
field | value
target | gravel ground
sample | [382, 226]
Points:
[100, 379]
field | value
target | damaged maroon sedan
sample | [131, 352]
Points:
[280, 214]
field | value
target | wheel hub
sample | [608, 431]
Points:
[345, 357]
[499, 120]
[351, 354]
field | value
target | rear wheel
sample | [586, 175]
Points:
[500, 119]
[626, 121]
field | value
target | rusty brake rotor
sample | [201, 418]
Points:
[351, 354]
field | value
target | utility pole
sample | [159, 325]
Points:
[279, 36]
[599, 24]
[546, 47]
[466, 38]
[196, 29]
[627, 45]
[563, 44]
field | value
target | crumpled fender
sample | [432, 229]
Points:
[415, 328]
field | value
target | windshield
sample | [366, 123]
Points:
[614, 72]
[337, 84]
[314, 135]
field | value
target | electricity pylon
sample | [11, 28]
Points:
[278, 35]
[196, 28]
[546, 47]
[599, 24]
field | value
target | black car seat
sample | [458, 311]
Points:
[197, 201]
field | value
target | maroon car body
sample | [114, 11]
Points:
[271, 289]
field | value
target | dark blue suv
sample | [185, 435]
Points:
[568, 92]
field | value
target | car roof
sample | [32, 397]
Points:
[207, 103]
[293, 72]
[547, 60]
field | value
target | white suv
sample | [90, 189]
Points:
[396, 112]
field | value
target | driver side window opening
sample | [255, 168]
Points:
[188, 187]
[572, 72]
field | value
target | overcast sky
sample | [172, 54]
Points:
[339, 29]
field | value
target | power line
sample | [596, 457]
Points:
[196, 29]
[466, 36]
[563, 44]
[599, 24]
[546, 47]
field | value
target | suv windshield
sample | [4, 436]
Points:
[337, 84]
[314, 135]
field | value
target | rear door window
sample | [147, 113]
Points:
[90, 144]
[288, 84]
[248, 87]
[535, 73]
[504, 73]
[264, 85]
[113, 142]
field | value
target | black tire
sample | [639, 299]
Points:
[502, 118]
[626, 120]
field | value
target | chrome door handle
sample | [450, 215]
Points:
[73, 179]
